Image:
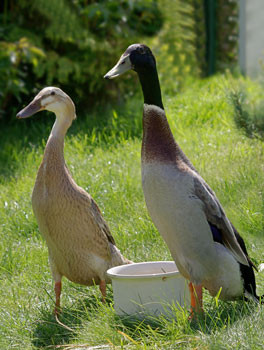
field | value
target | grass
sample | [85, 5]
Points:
[102, 151]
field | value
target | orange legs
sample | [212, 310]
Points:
[57, 289]
[102, 287]
[196, 292]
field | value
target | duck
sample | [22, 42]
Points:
[207, 249]
[80, 244]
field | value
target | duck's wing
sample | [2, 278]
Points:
[101, 222]
[215, 214]
[243, 246]
[87, 220]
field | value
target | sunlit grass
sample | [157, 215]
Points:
[102, 151]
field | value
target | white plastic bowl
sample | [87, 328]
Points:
[148, 288]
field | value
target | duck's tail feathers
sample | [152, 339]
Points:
[117, 257]
[128, 261]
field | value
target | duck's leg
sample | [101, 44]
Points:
[102, 287]
[196, 292]
[57, 279]
[57, 290]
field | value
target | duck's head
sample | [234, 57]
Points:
[51, 99]
[137, 57]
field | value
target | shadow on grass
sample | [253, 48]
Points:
[48, 332]
[221, 316]
[214, 319]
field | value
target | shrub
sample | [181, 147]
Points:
[248, 114]
[176, 46]
[70, 44]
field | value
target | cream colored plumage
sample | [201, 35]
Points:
[79, 241]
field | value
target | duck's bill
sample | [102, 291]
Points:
[122, 66]
[30, 109]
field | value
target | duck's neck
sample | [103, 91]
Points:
[54, 151]
[158, 144]
[150, 86]
[61, 125]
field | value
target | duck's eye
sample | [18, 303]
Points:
[52, 93]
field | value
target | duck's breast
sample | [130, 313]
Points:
[72, 240]
[179, 217]
[65, 219]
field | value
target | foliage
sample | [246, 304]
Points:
[226, 34]
[12, 56]
[248, 113]
[71, 44]
[175, 45]
[200, 35]
[102, 151]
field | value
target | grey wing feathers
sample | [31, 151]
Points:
[216, 215]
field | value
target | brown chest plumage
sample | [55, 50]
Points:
[158, 143]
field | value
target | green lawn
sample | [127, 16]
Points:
[102, 151]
